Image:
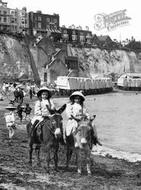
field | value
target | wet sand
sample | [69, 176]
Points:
[15, 173]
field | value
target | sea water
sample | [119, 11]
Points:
[118, 123]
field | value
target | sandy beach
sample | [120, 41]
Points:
[107, 173]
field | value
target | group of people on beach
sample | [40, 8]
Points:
[44, 106]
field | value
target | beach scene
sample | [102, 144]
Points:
[70, 93]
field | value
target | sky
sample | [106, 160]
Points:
[82, 13]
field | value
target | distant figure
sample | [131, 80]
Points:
[27, 110]
[30, 93]
[19, 95]
[1, 97]
[10, 120]
[20, 111]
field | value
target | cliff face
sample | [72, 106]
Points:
[101, 61]
[16, 60]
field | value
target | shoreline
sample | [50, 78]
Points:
[116, 154]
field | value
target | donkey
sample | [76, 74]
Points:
[81, 142]
[49, 134]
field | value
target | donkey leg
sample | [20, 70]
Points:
[68, 155]
[79, 170]
[88, 161]
[47, 168]
[89, 168]
[56, 157]
[30, 152]
[37, 150]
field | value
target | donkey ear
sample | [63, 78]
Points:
[92, 118]
[61, 109]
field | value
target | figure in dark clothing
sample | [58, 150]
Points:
[20, 111]
[19, 95]
[30, 93]
[27, 110]
[16, 95]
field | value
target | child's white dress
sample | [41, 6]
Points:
[10, 123]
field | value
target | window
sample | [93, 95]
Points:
[4, 12]
[4, 19]
[55, 20]
[39, 18]
[48, 19]
[74, 37]
[73, 32]
[12, 12]
[12, 20]
[39, 25]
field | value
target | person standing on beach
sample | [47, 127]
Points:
[10, 120]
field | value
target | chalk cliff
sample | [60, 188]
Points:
[102, 61]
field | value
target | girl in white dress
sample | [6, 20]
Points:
[10, 120]
[44, 106]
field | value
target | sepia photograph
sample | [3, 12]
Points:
[70, 94]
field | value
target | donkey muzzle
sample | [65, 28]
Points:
[57, 132]
[83, 141]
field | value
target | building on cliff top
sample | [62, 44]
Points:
[43, 24]
[13, 20]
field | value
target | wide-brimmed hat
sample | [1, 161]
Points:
[11, 107]
[77, 93]
[44, 89]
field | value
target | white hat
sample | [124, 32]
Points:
[77, 93]
[42, 90]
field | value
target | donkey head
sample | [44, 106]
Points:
[56, 121]
[83, 132]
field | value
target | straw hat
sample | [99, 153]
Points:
[11, 107]
[44, 89]
[77, 93]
